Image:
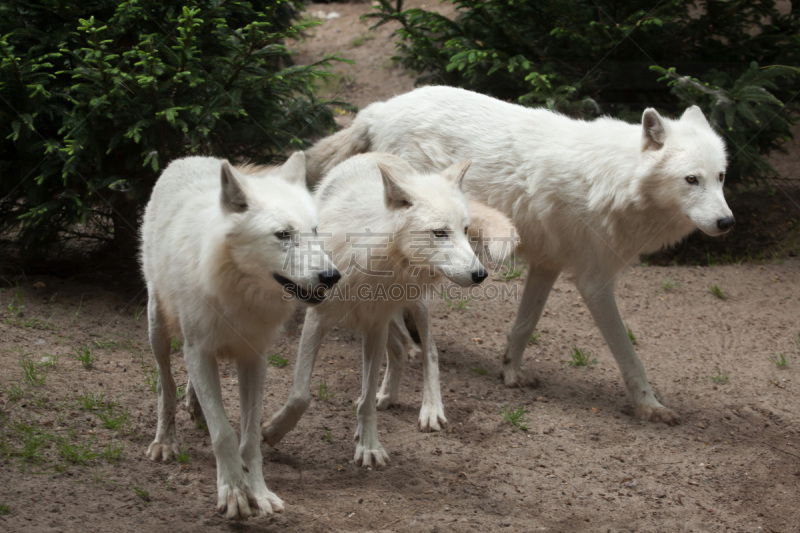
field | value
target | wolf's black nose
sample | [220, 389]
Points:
[725, 223]
[329, 277]
[479, 275]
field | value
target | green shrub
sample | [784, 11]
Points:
[592, 57]
[98, 96]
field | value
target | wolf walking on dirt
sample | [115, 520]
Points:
[587, 197]
[220, 249]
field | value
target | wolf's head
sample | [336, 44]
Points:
[434, 222]
[688, 160]
[272, 230]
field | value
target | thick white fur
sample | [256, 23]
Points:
[209, 252]
[586, 197]
[381, 193]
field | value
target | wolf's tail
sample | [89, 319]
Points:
[332, 150]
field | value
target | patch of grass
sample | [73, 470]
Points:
[113, 420]
[84, 355]
[779, 360]
[631, 336]
[15, 308]
[458, 305]
[478, 370]
[200, 423]
[509, 272]
[140, 310]
[277, 360]
[720, 377]
[718, 292]
[143, 493]
[328, 435]
[183, 456]
[180, 391]
[74, 452]
[80, 306]
[667, 284]
[323, 393]
[579, 357]
[175, 344]
[90, 401]
[32, 373]
[14, 391]
[534, 338]
[4, 509]
[105, 344]
[113, 452]
[33, 441]
[515, 417]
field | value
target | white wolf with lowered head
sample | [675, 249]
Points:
[219, 250]
[396, 231]
[587, 197]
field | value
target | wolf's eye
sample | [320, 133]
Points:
[466, 230]
[691, 180]
[721, 176]
[439, 233]
[283, 235]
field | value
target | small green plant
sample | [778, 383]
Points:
[33, 442]
[84, 355]
[183, 456]
[478, 370]
[631, 336]
[15, 307]
[277, 360]
[140, 310]
[143, 493]
[509, 272]
[105, 344]
[200, 423]
[718, 292]
[720, 377]
[515, 417]
[458, 305]
[4, 509]
[113, 452]
[579, 357]
[328, 435]
[667, 284]
[14, 391]
[90, 401]
[180, 391]
[32, 373]
[779, 360]
[534, 338]
[73, 452]
[113, 420]
[323, 393]
[175, 344]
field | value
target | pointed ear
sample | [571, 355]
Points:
[232, 198]
[653, 133]
[695, 114]
[294, 169]
[395, 196]
[455, 173]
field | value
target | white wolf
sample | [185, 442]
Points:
[219, 250]
[398, 232]
[586, 197]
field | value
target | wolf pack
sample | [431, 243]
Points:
[426, 189]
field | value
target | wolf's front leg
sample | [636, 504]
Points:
[534, 295]
[165, 446]
[234, 497]
[251, 396]
[599, 298]
[431, 415]
[369, 451]
[315, 328]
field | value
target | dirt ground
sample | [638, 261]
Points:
[78, 407]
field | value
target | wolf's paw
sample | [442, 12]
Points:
[268, 503]
[271, 434]
[431, 418]
[236, 501]
[375, 457]
[657, 413]
[384, 401]
[518, 378]
[163, 451]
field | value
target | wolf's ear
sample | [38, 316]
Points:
[395, 196]
[455, 173]
[695, 114]
[294, 169]
[233, 199]
[653, 133]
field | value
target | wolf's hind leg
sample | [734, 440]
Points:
[534, 295]
[599, 298]
[165, 445]
[388, 395]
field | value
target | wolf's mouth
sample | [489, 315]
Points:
[311, 297]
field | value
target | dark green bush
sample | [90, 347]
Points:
[592, 57]
[97, 96]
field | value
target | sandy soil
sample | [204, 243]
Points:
[72, 439]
